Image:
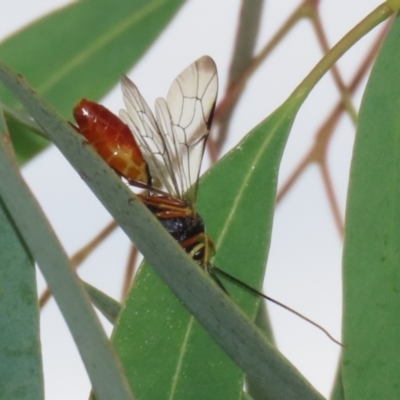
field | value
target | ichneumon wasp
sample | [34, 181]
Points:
[163, 153]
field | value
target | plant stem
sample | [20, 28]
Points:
[381, 13]
[236, 87]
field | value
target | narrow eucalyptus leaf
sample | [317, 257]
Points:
[20, 351]
[371, 366]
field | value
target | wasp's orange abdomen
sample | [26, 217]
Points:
[112, 139]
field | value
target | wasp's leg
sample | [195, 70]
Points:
[202, 243]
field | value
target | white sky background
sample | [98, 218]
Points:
[304, 267]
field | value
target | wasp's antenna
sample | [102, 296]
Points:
[258, 293]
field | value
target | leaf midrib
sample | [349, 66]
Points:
[182, 354]
[247, 178]
[97, 45]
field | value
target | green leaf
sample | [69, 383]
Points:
[338, 391]
[157, 338]
[81, 51]
[20, 353]
[21, 116]
[230, 328]
[109, 307]
[246, 396]
[371, 362]
[26, 141]
[263, 322]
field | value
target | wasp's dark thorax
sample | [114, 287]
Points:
[187, 230]
[183, 228]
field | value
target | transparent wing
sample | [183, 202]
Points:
[191, 103]
[173, 143]
[144, 127]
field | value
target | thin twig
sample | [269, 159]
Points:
[81, 255]
[318, 152]
[129, 271]
[246, 37]
[304, 163]
[323, 41]
[236, 87]
[332, 197]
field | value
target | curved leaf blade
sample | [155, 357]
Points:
[20, 351]
[338, 390]
[371, 366]
[109, 307]
[263, 322]
[80, 51]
